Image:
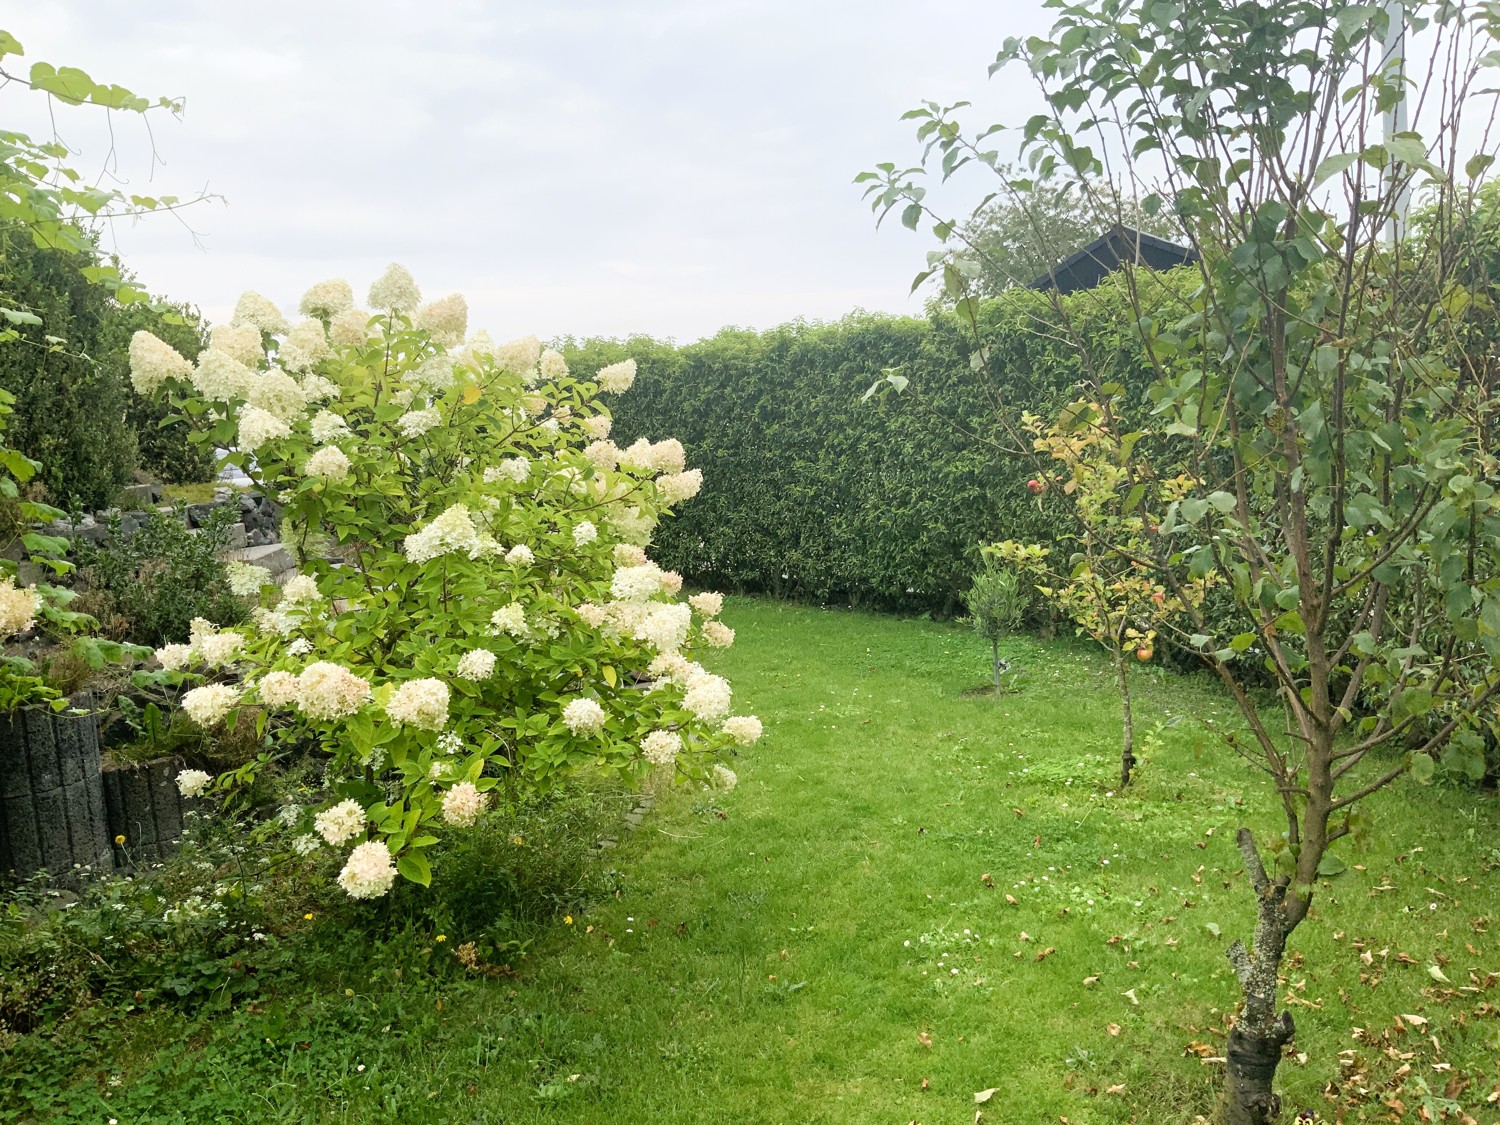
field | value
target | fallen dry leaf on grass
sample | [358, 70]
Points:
[1113, 1028]
[1116, 1090]
[1044, 954]
[924, 1039]
[1089, 982]
[982, 1096]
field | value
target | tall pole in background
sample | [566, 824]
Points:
[1396, 117]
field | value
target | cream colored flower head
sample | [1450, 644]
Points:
[395, 290]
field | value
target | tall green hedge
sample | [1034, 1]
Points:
[810, 492]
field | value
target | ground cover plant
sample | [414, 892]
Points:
[912, 897]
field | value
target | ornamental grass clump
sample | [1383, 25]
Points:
[494, 617]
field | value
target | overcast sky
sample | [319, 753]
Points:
[589, 168]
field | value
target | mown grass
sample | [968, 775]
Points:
[823, 944]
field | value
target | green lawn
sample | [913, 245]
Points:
[822, 945]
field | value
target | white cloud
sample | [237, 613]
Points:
[663, 167]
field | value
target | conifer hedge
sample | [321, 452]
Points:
[810, 492]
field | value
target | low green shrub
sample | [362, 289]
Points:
[151, 584]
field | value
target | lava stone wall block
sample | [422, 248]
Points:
[52, 815]
[144, 805]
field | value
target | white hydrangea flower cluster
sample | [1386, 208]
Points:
[744, 729]
[420, 703]
[517, 469]
[328, 691]
[453, 531]
[242, 341]
[349, 328]
[477, 664]
[675, 488]
[261, 312]
[327, 427]
[330, 463]
[277, 393]
[707, 696]
[327, 299]
[193, 783]
[395, 290]
[661, 747]
[447, 320]
[370, 871]
[305, 346]
[617, 378]
[209, 705]
[585, 533]
[301, 589]
[584, 717]
[153, 361]
[216, 649]
[245, 578]
[415, 423]
[665, 626]
[278, 688]
[18, 607]
[636, 583]
[219, 377]
[510, 620]
[258, 426]
[341, 822]
[717, 634]
[462, 804]
[520, 357]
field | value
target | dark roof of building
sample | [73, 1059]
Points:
[1103, 256]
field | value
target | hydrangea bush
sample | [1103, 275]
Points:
[489, 611]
